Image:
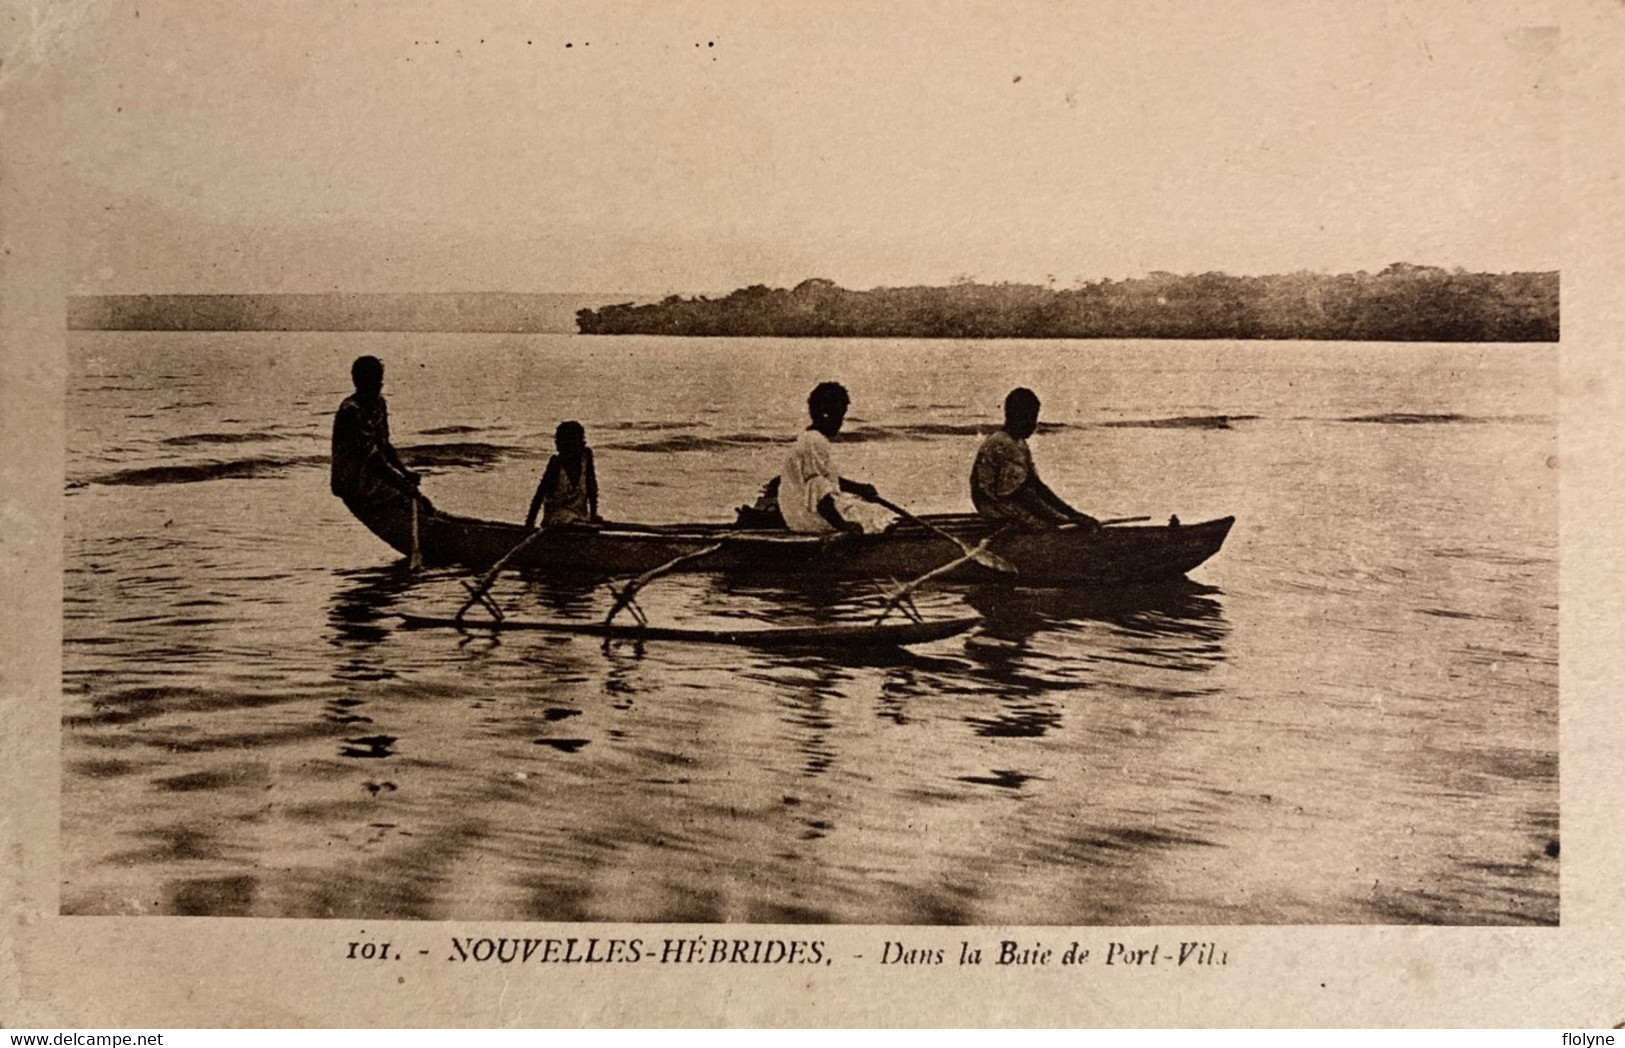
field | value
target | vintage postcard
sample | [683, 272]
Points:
[807, 514]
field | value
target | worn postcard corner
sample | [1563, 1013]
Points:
[1063, 515]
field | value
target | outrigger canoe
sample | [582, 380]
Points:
[1110, 556]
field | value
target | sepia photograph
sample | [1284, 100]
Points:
[808, 467]
[1264, 626]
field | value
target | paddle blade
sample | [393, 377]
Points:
[994, 562]
[415, 561]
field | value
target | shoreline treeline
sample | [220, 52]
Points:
[1403, 303]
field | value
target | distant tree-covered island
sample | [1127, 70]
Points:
[1403, 303]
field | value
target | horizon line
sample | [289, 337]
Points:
[1052, 284]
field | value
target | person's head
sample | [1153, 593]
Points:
[570, 438]
[827, 405]
[1021, 413]
[368, 375]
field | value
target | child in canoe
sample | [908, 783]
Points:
[568, 493]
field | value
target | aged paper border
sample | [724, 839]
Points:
[166, 972]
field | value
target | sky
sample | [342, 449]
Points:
[696, 147]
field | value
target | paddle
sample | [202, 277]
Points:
[415, 561]
[979, 554]
[1104, 523]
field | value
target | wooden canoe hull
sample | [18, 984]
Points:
[1111, 556]
[836, 635]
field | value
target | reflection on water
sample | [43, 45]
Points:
[1032, 642]
[1348, 716]
[359, 613]
[1171, 611]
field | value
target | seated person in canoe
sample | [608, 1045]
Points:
[1004, 484]
[365, 468]
[812, 495]
[568, 493]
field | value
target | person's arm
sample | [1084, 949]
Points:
[549, 482]
[348, 445]
[1054, 506]
[1031, 501]
[386, 451]
[859, 488]
[373, 452]
[535, 508]
[407, 479]
[827, 510]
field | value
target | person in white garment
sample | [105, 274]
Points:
[813, 496]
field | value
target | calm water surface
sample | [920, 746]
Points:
[1349, 715]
